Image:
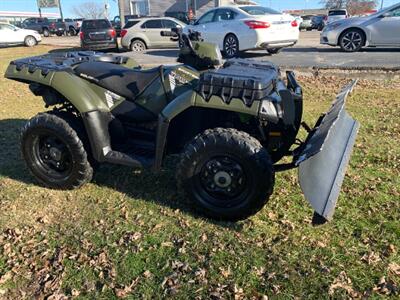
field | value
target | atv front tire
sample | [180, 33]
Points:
[226, 174]
[54, 152]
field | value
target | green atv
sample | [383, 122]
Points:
[231, 124]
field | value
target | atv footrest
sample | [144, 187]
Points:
[129, 160]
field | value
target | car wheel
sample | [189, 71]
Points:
[226, 174]
[274, 50]
[72, 31]
[231, 46]
[30, 41]
[54, 152]
[46, 32]
[138, 46]
[352, 40]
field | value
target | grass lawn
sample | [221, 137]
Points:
[131, 234]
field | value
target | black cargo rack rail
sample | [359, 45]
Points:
[64, 61]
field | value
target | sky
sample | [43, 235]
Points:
[67, 5]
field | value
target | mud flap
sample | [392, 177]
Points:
[322, 162]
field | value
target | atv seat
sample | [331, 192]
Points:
[122, 81]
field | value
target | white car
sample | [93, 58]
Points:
[246, 27]
[12, 35]
[336, 15]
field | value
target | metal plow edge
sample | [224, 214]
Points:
[323, 161]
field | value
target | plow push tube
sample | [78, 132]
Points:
[323, 161]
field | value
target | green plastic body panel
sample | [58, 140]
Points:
[153, 98]
[179, 105]
[84, 95]
[25, 76]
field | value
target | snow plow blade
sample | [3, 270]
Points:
[323, 160]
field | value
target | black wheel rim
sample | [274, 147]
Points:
[352, 40]
[231, 46]
[222, 182]
[52, 157]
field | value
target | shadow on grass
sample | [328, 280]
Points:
[158, 188]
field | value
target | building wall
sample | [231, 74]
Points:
[158, 8]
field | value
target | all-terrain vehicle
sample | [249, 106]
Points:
[230, 122]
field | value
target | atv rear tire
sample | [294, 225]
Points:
[226, 173]
[54, 152]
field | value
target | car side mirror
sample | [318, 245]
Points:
[385, 15]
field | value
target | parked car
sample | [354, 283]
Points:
[246, 27]
[306, 24]
[381, 29]
[12, 35]
[337, 14]
[98, 34]
[319, 22]
[70, 26]
[44, 26]
[141, 34]
[116, 22]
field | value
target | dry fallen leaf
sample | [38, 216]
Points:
[125, 291]
[394, 268]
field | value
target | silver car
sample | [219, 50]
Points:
[381, 29]
[144, 33]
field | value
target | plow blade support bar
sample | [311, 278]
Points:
[322, 163]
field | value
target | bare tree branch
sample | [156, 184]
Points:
[89, 10]
[354, 7]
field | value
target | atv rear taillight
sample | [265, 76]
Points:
[294, 23]
[257, 24]
[123, 32]
[112, 33]
[81, 35]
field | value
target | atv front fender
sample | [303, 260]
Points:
[323, 160]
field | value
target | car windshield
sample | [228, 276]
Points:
[259, 10]
[94, 24]
[337, 13]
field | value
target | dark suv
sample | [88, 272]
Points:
[98, 34]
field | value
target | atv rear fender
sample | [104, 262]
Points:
[82, 94]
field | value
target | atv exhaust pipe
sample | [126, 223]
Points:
[326, 153]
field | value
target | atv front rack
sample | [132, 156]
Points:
[324, 156]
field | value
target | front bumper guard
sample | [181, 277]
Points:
[324, 156]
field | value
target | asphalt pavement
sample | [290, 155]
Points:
[308, 53]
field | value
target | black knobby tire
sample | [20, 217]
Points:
[53, 134]
[251, 165]
[352, 40]
[231, 46]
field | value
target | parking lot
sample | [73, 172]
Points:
[308, 53]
